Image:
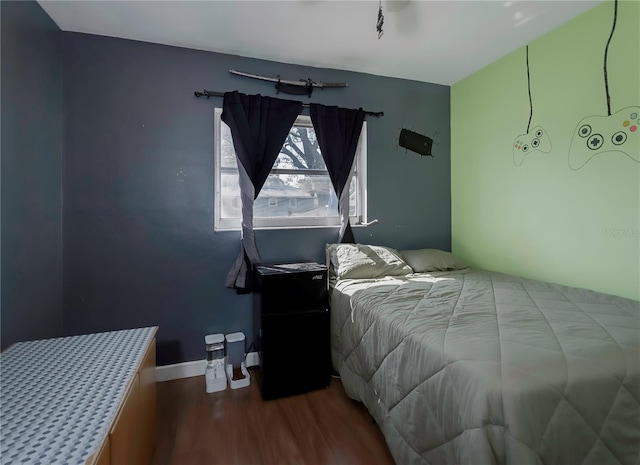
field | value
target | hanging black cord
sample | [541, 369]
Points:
[380, 21]
[529, 87]
[606, 52]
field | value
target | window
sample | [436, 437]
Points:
[298, 191]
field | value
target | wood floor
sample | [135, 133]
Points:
[236, 427]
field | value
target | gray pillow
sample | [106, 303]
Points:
[360, 261]
[425, 260]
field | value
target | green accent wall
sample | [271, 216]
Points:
[541, 219]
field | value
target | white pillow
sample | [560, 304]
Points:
[425, 260]
[360, 261]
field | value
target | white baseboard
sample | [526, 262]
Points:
[180, 370]
[252, 360]
[194, 368]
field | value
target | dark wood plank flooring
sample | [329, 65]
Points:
[236, 427]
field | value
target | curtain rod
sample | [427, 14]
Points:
[211, 93]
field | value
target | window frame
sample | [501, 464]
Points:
[290, 222]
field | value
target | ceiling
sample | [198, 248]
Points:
[431, 41]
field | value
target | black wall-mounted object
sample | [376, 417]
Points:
[299, 87]
[415, 142]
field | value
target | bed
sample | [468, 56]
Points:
[466, 366]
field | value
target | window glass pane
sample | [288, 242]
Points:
[230, 191]
[300, 151]
[287, 199]
[353, 197]
[295, 195]
[287, 195]
[227, 153]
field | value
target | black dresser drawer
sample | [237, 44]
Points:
[284, 290]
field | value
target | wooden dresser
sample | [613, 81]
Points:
[82, 400]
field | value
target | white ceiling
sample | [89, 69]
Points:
[432, 41]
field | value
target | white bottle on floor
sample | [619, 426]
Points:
[215, 376]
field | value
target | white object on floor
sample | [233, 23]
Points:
[238, 383]
[194, 368]
[215, 378]
[235, 348]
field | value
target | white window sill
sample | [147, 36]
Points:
[324, 226]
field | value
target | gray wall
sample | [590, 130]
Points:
[139, 244]
[31, 236]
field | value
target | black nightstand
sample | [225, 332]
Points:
[291, 321]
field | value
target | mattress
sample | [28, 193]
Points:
[60, 396]
[480, 367]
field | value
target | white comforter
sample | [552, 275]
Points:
[476, 367]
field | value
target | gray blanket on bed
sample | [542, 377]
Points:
[475, 367]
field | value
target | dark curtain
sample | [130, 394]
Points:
[338, 131]
[259, 126]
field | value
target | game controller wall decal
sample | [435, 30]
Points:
[596, 135]
[536, 139]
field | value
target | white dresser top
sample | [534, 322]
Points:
[59, 396]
